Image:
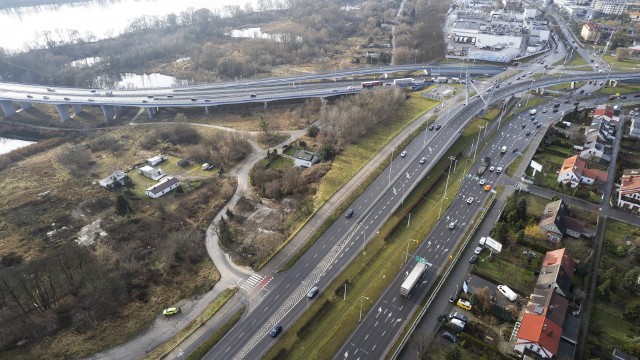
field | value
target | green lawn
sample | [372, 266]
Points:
[506, 271]
[623, 65]
[320, 332]
[607, 328]
[622, 88]
[578, 60]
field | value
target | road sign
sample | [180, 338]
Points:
[421, 260]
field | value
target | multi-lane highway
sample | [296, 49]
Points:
[345, 238]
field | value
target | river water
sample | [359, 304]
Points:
[101, 18]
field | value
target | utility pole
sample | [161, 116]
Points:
[446, 187]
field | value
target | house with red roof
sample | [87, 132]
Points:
[574, 171]
[538, 335]
[629, 192]
[539, 331]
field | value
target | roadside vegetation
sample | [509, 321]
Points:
[78, 260]
[616, 315]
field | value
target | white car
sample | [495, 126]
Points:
[492, 168]
[482, 181]
[452, 225]
[498, 169]
[478, 250]
[423, 160]
[403, 154]
[469, 200]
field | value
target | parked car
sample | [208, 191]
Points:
[171, 311]
[499, 169]
[449, 336]
[459, 316]
[478, 250]
[473, 259]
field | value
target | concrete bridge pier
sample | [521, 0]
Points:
[573, 84]
[152, 112]
[118, 110]
[206, 110]
[265, 105]
[77, 108]
[7, 108]
[25, 105]
[613, 83]
[63, 111]
[107, 110]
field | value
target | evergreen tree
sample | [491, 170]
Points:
[122, 206]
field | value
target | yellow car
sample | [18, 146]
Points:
[487, 187]
[171, 311]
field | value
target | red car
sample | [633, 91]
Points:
[636, 95]
[612, 97]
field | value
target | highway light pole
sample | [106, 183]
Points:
[477, 142]
[446, 187]
[406, 254]
[529, 93]
[391, 166]
[362, 298]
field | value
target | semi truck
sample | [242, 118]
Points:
[403, 82]
[483, 167]
[411, 280]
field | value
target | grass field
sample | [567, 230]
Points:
[622, 65]
[506, 271]
[577, 61]
[320, 332]
[622, 88]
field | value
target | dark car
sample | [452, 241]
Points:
[528, 133]
[438, 127]
[566, 101]
[276, 331]
[515, 150]
[430, 127]
[349, 213]
[623, 97]
[582, 91]
[538, 126]
[449, 336]
[452, 299]
[555, 110]
[473, 259]
[253, 95]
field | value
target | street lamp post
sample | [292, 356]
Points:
[446, 187]
[406, 254]
[391, 165]
[477, 142]
[362, 298]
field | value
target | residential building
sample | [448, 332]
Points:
[634, 130]
[629, 192]
[556, 272]
[304, 158]
[555, 222]
[538, 335]
[621, 355]
[589, 31]
[164, 186]
[116, 177]
[153, 161]
[633, 10]
[610, 7]
[540, 330]
[152, 173]
[599, 136]
[574, 171]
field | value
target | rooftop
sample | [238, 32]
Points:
[540, 330]
[163, 185]
[304, 155]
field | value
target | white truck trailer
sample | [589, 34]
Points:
[411, 280]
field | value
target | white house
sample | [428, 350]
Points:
[167, 184]
[304, 158]
[575, 171]
[152, 173]
[634, 131]
[110, 181]
[629, 193]
[153, 161]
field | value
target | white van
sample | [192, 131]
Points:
[508, 293]
[457, 324]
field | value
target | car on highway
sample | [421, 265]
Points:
[487, 187]
[523, 126]
[499, 169]
[538, 126]
[145, 101]
[93, 91]
[90, 99]
[528, 133]
[50, 90]
[150, 96]
[313, 292]
[45, 97]
[636, 95]
[171, 311]
[403, 154]
[535, 121]
[469, 200]
[194, 99]
[30, 96]
[349, 213]
[473, 259]
[515, 150]
[67, 99]
[253, 95]
[169, 96]
[555, 110]
[275, 331]
[482, 181]
[207, 100]
[449, 336]
[491, 168]
[334, 90]
[544, 111]
[438, 127]
[452, 225]
[430, 127]
[423, 160]
[477, 250]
